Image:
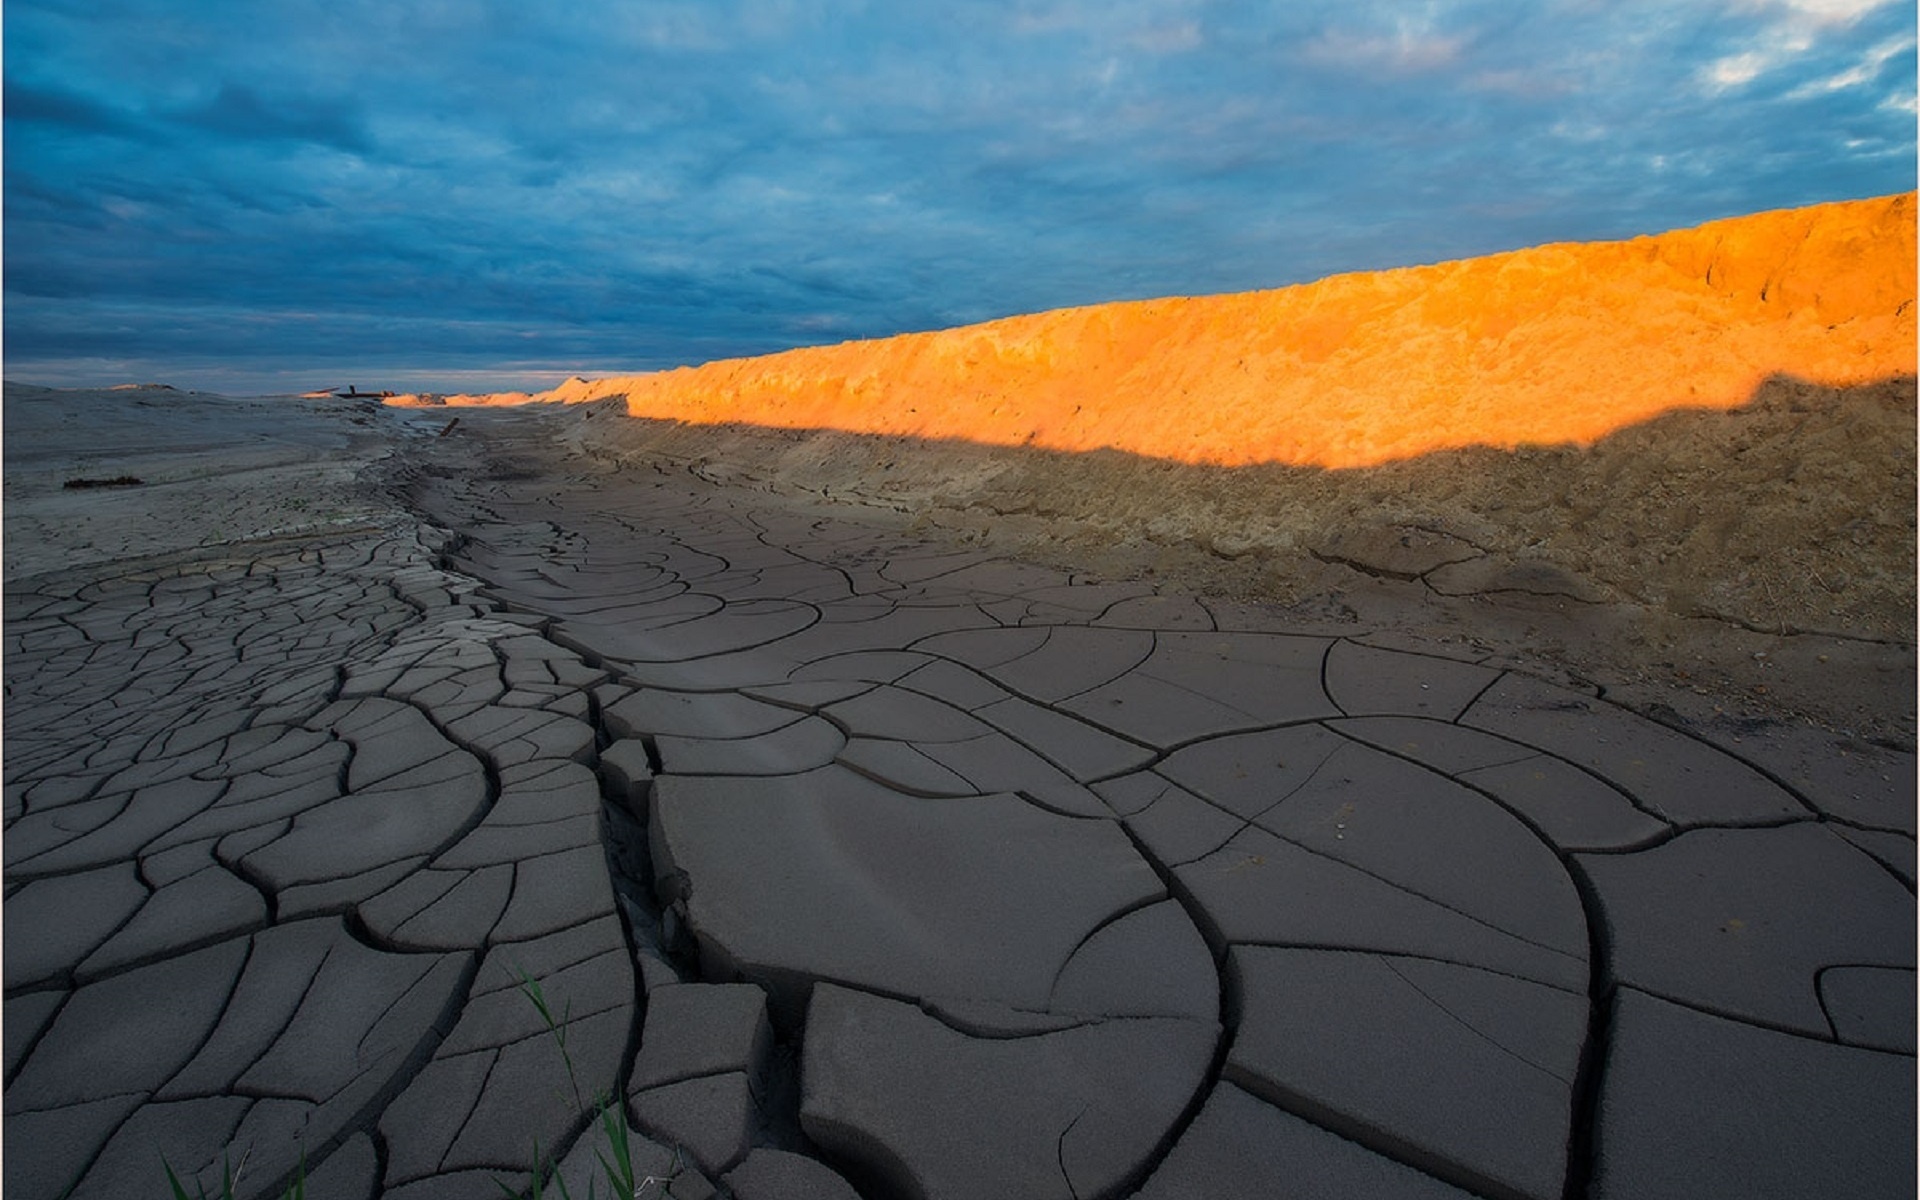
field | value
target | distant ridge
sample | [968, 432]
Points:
[1554, 344]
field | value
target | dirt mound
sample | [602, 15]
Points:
[1550, 345]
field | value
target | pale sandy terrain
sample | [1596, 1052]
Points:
[1546, 346]
[212, 470]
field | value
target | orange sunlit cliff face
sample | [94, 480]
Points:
[1555, 344]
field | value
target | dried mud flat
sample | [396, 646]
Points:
[899, 821]
[1724, 567]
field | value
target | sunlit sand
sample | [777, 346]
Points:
[1549, 345]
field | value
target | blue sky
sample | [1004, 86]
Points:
[268, 196]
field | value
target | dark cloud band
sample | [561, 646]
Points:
[631, 185]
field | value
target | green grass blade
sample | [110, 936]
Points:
[620, 1169]
[531, 988]
[297, 1190]
[173, 1181]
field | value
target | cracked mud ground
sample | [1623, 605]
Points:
[855, 865]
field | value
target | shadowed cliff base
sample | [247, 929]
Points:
[1676, 456]
[1671, 552]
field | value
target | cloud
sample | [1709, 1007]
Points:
[1737, 69]
[56, 106]
[642, 184]
[1789, 32]
[1174, 37]
[1818, 12]
[1410, 48]
[1867, 70]
[237, 111]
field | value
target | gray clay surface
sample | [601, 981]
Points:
[846, 864]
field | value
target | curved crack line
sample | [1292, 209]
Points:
[1429, 655]
[1235, 708]
[1060, 1152]
[1105, 923]
[1590, 1073]
[213, 1026]
[93, 1159]
[1436, 902]
[1467, 1025]
[33, 1043]
[1672, 829]
[1696, 739]
[934, 1009]
[742, 648]
[1227, 1000]
[1162, 753]
[1414, 956]
[1754, 1022]
[1246, 822]
[1881, 862]
[1378, 1138]
[1012, 694]
[1138, 664]
[907, 789]
[1521, 753]
[1369, 873]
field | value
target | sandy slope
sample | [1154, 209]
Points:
[1554, 344]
